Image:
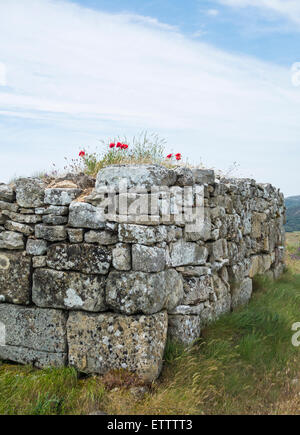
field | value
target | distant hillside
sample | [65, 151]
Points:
[293, 213]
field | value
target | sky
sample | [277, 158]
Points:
[219, 80]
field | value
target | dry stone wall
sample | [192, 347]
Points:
[100, 281]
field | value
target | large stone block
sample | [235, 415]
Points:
[49, 233]
[33, 335]
[84, 258]
[184, 329]
[101, 237]
[68, 290]
[6, 193]
[203, 176]
[99, 343]
[20, 228]
[83, 215]
[197, 290]
[11, 240]
[144, 235]
[30, 192]
[61, 197]
[36, 247]
[122, 257]
[147, 293]
[137, 176]
[15, 277]
[241, 294]
[148, 259]
[187, 253]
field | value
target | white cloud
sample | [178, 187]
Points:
[3, 81]
[289, 9]
[77, 75]
[212, 12]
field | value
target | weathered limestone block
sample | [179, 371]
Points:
[148, 259]
[30, 192]
[99, 343]
[83, 215]
[241, 294]
[129, 233]
[121, 255]
[257, 220]
[61, 196]
[15, 277]
[187, 253]
[22, 218]
[7, 206]
[194, 271]
[203, 176]
[197, 290]
[75, 235]
[136, 292]
[49, 233]
[138, 176]
[260, 264]
[185, 176]
[184, 329]
[174, 289]
[38, 262]
[55, 220]
[6, 193]
[68, 290]
[11, 240]
[204, 231]
[101, 237]
[20, 228]
[218, 250]
[147, 293]
[36, 247]
[34, 336]
[84, 258]
[55, 210]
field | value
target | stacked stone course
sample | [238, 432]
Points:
[95, 292]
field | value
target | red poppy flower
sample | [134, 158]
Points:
[119, 145]
[169, 156]
[112, 145]
[178, 156]
[81, 154]
[124, 146]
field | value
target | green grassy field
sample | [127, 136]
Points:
[244, 363]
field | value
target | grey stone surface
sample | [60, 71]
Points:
[68, 291]
[144, 235]
[197, 290]
[121, 257]
[184, 176]
[83, 215]
[30, 192]
[6, 193]
[75, 235]
[11, 240]
[50, 233]
[20, 228]
[138, 176]
[15, 277]
[39, 261]
[241, 293]
[203, 176]
[99, 343]
[174, 289]
[36, 247]
[9, 206]
[33, 335]
[148, 259]
[184, 329]
[55, 210]
[101, 237]
[89, 259]
[136, 292]
[187, 253]
[22, 218]
[61, 196]
[55, 220]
